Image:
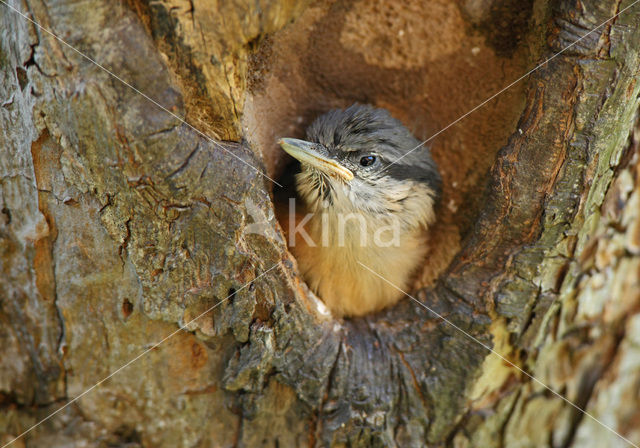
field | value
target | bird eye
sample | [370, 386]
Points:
[367, 160]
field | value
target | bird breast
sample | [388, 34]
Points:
[344, 249]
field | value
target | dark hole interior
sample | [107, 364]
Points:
[127, 308]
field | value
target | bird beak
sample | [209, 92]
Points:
[315, 155]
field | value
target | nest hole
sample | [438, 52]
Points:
[427, 66]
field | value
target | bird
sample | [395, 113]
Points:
[369, 190]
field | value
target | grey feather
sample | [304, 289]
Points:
[360, 130]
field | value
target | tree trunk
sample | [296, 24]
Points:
[120, 223]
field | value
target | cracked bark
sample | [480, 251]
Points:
[536, 253]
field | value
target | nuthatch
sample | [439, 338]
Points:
[370, 188]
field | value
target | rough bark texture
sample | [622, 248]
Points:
[119, 223]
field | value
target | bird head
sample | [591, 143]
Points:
[363, 160]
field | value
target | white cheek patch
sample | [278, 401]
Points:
[390, 199]
[410, 201]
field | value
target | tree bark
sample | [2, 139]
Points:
[121, 223]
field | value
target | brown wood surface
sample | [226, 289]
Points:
[120, 223]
